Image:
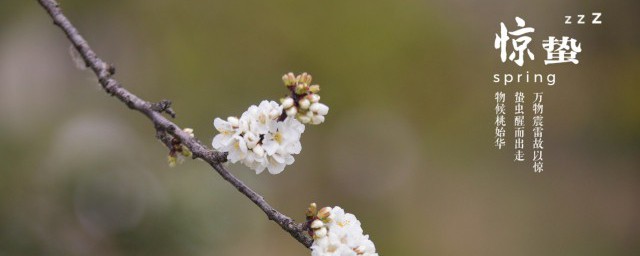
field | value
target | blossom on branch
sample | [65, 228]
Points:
[268, 135]
[337, 233]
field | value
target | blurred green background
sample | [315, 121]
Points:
[407, 145]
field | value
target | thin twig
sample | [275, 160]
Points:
[165, 129]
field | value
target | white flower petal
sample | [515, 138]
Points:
[289, 159]
[220, 141]
[278, 158]
[294, 148]
[233, 121]
[270, 146]
[222, 125]
[275, 167]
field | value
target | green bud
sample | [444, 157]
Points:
[185, 151]
[305, 78]
[324, 213]
[289, 79]
[311, 211]
[314, 88]
[172, 160]
[301, 88]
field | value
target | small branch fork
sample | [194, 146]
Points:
[166, 130]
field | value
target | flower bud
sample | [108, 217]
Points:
[303, 119]
[324, 212]
[305, 78]
[309, 114]
[320, 233]
[311, 211]
[313, 97]
[185, 151]
[316, 224]
[314, 88]
[301, 88]
[188, 131]
[287, 102]
[289, 79]
[304, 103]
[319, 108]
[172, 160]
[292, 111]
[317, 119]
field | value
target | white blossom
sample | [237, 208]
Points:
[251, 139]
[237, 149]
[260, 117]
[284, 137]
[226, 132]
[258, 139]
[282, 141]
[343, 236]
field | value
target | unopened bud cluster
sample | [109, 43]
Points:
[335, 232]
[304, 101]
[316, 220]
[178, 151]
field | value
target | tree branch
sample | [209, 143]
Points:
[166, 130]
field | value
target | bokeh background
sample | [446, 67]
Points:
[407, 145]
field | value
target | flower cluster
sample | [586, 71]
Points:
[304, 101]
[258, 140]
[336, 233]
[268, 135]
